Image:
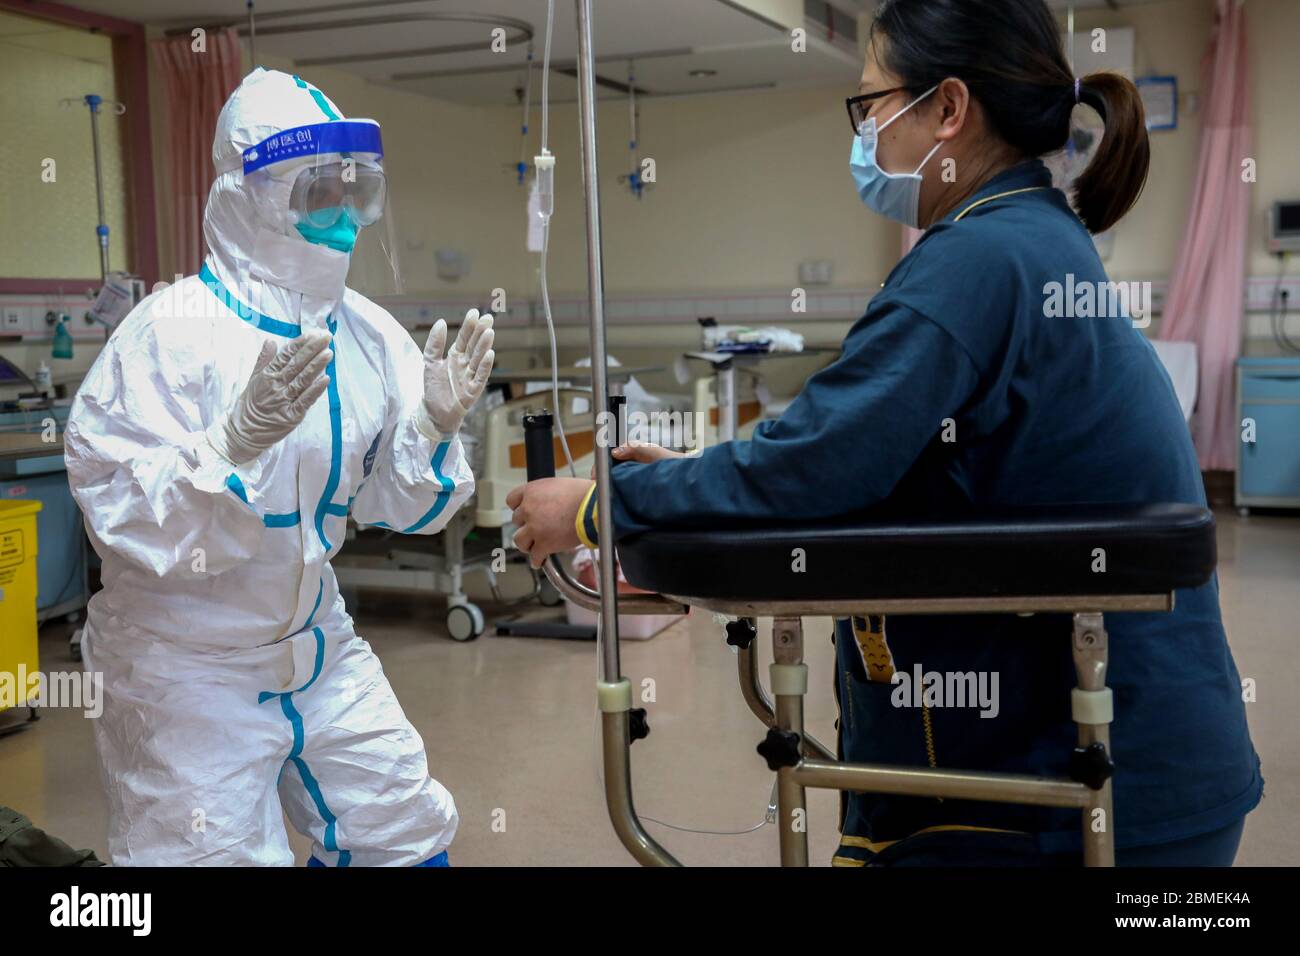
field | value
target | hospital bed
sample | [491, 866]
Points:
[438, 564]
[386, 561]
[735, 403]
[727, 405]
[505, 459]
[1181, 362]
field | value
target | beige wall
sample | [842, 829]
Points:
[1146, 241]
[442, 161]
[1275, 100]
[1171, 39]
[750, 184]
[48, 228]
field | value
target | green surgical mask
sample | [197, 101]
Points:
[341, 236]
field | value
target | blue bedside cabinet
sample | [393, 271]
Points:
[1268, 469]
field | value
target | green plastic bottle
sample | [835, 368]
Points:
[62, 339]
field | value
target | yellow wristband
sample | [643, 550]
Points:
[584, 523]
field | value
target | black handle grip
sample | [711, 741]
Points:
[539, 446]
[618, 424]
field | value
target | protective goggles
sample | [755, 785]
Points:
[321, 194]
[336, 167]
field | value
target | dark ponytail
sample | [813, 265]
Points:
[1008, 53]
[1108, 188]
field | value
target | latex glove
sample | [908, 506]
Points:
[453, 383]
[283, 386]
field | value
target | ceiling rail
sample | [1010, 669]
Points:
[524, 30]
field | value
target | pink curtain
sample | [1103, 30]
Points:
[1207, 290]
[198, 84]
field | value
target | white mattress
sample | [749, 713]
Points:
[1179, 360]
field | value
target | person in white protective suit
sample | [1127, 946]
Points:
[216, 448]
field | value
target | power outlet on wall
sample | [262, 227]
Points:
[816, 272]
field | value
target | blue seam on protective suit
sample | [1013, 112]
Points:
[336, 446]
[330, 836]
[439, 860]
[329, 841]
[317, 96]
[283, 520]
[266, 695]
[247, 313]
[237, 486]
[448, 486]
[320, 592]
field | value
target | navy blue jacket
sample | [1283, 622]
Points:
[1043, 409]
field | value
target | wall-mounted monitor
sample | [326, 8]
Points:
[1284, 226]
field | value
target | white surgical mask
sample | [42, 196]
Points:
[291, 263]
[896, 196]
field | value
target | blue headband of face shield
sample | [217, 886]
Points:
[336, 136]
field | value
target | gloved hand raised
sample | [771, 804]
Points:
[452, 383]
[283, 386]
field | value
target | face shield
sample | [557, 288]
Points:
[326, 184]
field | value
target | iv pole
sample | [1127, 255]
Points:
[94, 103]
[252, 34]
[614, 690]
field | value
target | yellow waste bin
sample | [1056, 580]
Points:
[18, 661]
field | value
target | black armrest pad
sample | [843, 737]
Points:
[1031, 552]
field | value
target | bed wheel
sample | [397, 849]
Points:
[464, 622]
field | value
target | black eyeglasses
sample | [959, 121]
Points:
[860, 106]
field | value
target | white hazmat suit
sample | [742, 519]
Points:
[235, 685]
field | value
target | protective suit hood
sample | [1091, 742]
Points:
[254, 250]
